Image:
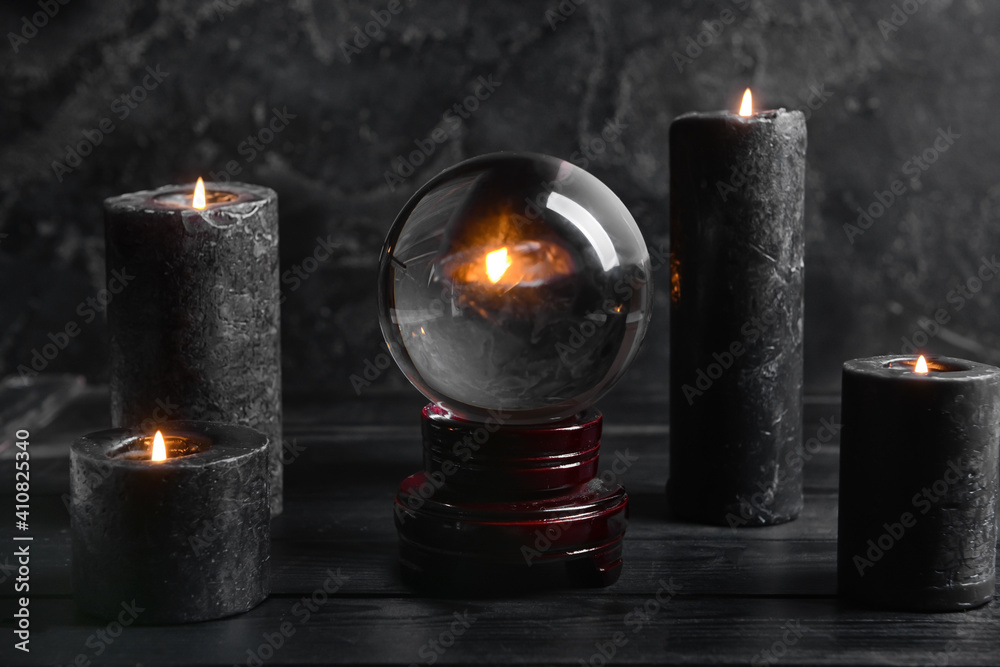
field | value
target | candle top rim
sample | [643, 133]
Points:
[139, 448]
[934, 364]
[246, 195]
[228, 443]
[893, 366]
[758, 116]
[213, 197]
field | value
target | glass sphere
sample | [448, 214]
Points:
[515, 287]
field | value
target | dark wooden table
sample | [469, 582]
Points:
[688, 593]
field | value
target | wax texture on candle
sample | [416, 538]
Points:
[918, 483]
[186, 539]
[195, 333]
[736, 264]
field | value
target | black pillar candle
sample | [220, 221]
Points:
[736, 247]
[176, 541]
[918, 483]
[194, 324]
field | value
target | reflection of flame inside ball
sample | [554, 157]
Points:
[524, 279]
[517, 264]
[486, 304]
[496, 264]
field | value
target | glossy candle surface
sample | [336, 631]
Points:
[195, 321]
[918, 483]
[736, 253]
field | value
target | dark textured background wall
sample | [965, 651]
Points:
[881, 86]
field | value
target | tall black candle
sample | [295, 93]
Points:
[178, 540]
[736, 247]
[195, 330]
[918, 483]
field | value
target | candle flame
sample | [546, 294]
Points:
[496, 264]
[159, 448]
[921, 366]
[746, 108]
[198, 200]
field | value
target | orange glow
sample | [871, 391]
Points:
[746, 108]
[198, 200]
[496, 264]
[675, 279]
[921, 366]
[159, 448]
[516, 264]
[502, 262]
[498, 252]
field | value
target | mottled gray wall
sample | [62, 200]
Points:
[881, 95]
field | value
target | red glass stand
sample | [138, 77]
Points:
[504, 505]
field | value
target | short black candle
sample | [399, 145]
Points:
[736, 249]
[185, 539]
[918, 483]
[195, 330]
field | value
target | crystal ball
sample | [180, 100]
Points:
[514, 287]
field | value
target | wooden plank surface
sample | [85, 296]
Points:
[689, 594]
